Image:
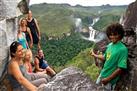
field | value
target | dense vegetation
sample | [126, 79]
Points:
[59, 52]
[84, 61]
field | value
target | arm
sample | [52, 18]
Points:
[31, 39]
[117, 72]
[18, 36]
[100, 56]
[14, 70]
[37, 65]
[38, 29]
[25, 39]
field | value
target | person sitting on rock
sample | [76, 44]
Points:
[41, 65]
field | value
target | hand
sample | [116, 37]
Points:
[45, 72]
[105, 81]
[92, 53]
[39, 38]
[34, 89]
[31, 45]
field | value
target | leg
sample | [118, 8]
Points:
[35, 76]
[38, 82]
[51, 71]
[42, 87]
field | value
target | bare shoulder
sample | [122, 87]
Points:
[36, 58]
[12, 65]
[35, 20]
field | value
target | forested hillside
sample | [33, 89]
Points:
[55, 19]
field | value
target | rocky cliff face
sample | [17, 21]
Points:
[9, 11]
[130, 17]
[129, 79]
[7, 26]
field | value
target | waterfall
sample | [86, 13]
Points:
[94, 21]
[78, 24]
[92, 34]
[99, 38]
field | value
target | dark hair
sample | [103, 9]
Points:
[115, 29]
[13, 48]
[39, 50]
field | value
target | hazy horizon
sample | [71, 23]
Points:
[84, 2]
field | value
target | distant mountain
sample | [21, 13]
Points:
[55, 19]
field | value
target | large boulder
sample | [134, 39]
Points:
[70, 79]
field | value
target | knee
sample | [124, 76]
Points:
[44, 80]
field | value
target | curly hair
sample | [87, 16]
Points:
[115, 29]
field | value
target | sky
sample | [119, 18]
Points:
[85, 2]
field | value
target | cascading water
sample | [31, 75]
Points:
[94, 21]
[78, 24]
[94, 35]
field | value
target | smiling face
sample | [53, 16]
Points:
[23, 22]
[28, 55]
[40, 53]
[114, 38]
[115, 32]
[19, 52]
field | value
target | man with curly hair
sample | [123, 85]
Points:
[115, 57]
